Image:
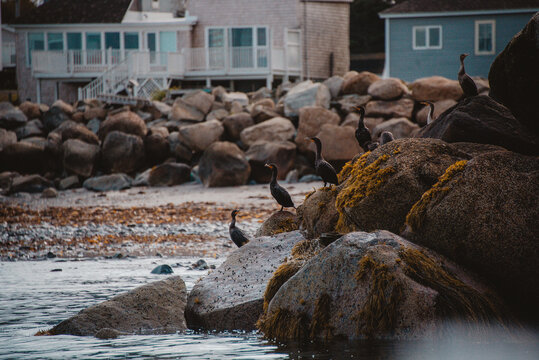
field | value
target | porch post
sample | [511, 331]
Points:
[208, 82]
[38, 91]
[269, 81]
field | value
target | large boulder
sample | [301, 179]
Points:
[199, 136]
[318, 214]
[263, 110]
[231, 297]
[387, 89]
[334, 84]
[279, 222]
[31, 128]
[514, 75]
[483, 214]
[72, 130]
[359, 83]
[339, 142]
[108, 182]
[435, 88]
[54, 117]
[183, 111]
[30, 109]
[234, 125]
[439, 107]
[400, 128]
[29, 183]
[126, 121]
[480, 119]
[178, 149]
[200, 100]
[311, 119]
[377, 286]
[304, 94]
[223, 164]
[80, 157]
[24, 157]
[370, 123]
[11, 117]
[63, 106]
[156, 147]
[159, 109]
[239, 97]
[169, 174]
[276, 129]
[390, 109]
[122, 152]
[282, 154]
[349, 103]
[155, 308]
[94, 112]
[7, 138]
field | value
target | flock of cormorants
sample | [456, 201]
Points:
[326, 171]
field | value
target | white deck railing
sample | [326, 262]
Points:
[9, 57]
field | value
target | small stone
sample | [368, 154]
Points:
[49, 193]
[50, 255]
[162, 269]
[200, 265]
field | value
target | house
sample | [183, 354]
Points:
[425, 38]
[7, 43]
[73, 49]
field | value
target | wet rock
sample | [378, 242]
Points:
[107, 333]
[24, 157]
[276, 129]
[199, 136]
[281, 153]
[50, 255]
[318, 214]
[349, 103]
[156, 147]
[334, 85]
[223, 164]
[72, 130]
[377, 286]
[97, 112]
[231, 297]
[70, 182]
[122, 152]
[30, 109]
[11, 117]
[304, 94]
[80, 157]
[279, 222]
[359, 83]
[435, 88]
[511, 75]
[162, 269]
[239, 97]
[400, 128]
[338, 142]
[7, 138]
[490, 203]
[201, 264]
[127, 122]
[263, 110]
[29, 184]
[154, 308]
[387, 89]
[234, 125]
[32, 128]
[439, 107]
[169, 174]
[108, 182]
[54, 117]
[142, 179]
[482, 120]
[311, 119]
[390, 109]
[179, 150]
[49, 193]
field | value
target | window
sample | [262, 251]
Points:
[485, 34]
[93, 41]
[55, 41]
[216, 38]
[427, 37]
[36, 41]
[112, 40]
[131, 40]
[262, 51]
[74, 41]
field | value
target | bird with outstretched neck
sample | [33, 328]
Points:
[277, 191]
[466, 83]
[322, 167]
[430, 115]
[236, 234]
[363, 135]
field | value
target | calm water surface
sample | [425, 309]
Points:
[33, 298]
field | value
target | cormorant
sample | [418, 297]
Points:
[278, 192]
[386, 137]
[466, 83]
[363, 134]
[430, 116]
[236, 234]
[323, 168]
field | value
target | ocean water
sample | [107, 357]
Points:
[33, 298]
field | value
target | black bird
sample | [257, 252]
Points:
[387, 136]
[363, 134]
[430, 116]
[278, 192]
[466, 83]
[323, 168]
[236, 234]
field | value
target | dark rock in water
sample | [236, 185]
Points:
[119, 256]
[514, 75]
[282, 154]
[108, 182]
[484, 215]
[50, 255]
[56, 270]
[310, 178]
[155, 308]
[107, 333]
[231, 297]
[480, 119]
[49, 193]
[378, 286]
[169, 174]
[10, 116]
[278, 222]
[54, 117]
[162, 269]
[69, 182]
[80, 157]
[30, 184]
[223, 164]
[200, 265]
[122, 152]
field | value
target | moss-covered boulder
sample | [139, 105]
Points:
[374, 285]
[318, 214]
[278, 222]
[484, 214]
[231, 297]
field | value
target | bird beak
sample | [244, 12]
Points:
[309, 139]
[268, 166]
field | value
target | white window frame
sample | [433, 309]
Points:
[476, 37]
[427, 40]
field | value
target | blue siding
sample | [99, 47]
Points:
[458, 36]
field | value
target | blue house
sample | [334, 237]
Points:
[425, 37]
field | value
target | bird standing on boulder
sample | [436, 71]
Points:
[236, 234]
[323, 168]
[466, 83]
[363, 134]
[430, 115]
[277, 191]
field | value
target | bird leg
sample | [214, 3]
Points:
[281, 208]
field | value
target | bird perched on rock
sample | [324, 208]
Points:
[387, 136]
[278, 192]
[363, 134]
[323, 168]
[430, 115]
[466, 83]
[236, 234]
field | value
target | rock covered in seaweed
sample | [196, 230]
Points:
[318, 214]
[278, 222]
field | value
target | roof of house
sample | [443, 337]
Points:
[420, 6]
[76, 12]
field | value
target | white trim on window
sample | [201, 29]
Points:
[493, 37]
[427, 39]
